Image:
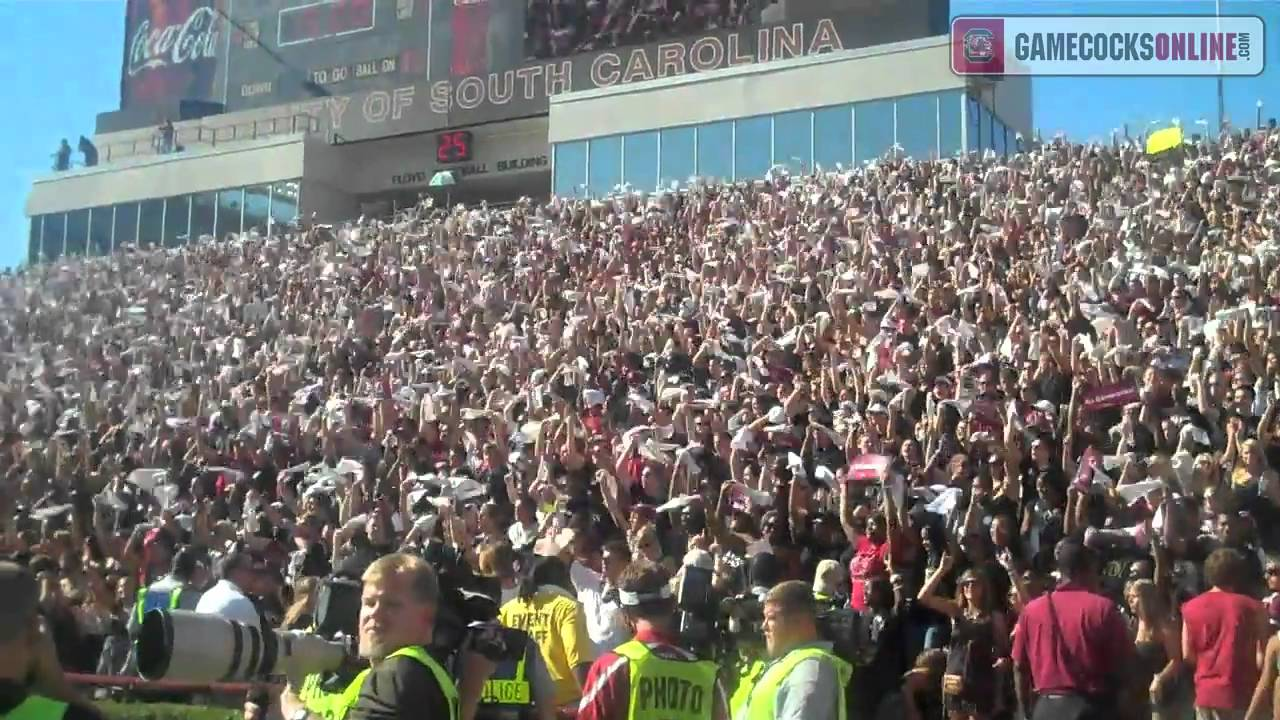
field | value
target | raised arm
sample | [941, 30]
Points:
[928, 596]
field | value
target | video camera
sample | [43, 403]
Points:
[711, 624]
[465, 618]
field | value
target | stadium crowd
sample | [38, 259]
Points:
[1017, 413]
[558, 28]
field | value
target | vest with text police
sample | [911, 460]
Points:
[508, 693]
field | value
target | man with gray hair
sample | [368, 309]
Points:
[32, 686]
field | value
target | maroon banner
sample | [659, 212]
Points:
[469, 25]
[171, 50]
[867, 468]
[1089, 463]
[1109, 396]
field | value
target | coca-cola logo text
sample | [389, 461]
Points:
[194, 40]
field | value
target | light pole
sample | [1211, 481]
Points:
[1257, 120]
[1205, 123]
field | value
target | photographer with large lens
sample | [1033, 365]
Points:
[651, 676]
[399, 600]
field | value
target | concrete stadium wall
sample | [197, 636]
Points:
[249, 163]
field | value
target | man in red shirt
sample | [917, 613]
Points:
[1071, 647]
[650, 660]
[1224, 633]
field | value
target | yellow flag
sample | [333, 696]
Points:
[1162, 140]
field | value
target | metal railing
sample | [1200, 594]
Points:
[189, 138]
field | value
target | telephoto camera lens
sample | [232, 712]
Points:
[185, 646]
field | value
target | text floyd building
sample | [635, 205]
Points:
[338, 107]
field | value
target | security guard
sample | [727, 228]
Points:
[399, 597]
[519, 689]
[32, 686]
[803, 680]
[177, 590]
[649, 677]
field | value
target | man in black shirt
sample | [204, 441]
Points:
[31, 681]
[397, 622]
[399, 598]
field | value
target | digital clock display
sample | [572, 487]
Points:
[453, 147]
[329, 18]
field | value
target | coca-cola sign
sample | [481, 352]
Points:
[193, 40]
[171, 51]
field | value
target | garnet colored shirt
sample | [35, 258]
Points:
[1086, 653]
[869, 560]
[1223, 629]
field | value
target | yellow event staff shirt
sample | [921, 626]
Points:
[556, 622]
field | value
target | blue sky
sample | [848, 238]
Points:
[65, 55]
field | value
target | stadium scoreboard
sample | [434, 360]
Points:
[326, 19]
[290, 50]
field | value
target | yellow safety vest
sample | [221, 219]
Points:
[663, 689]
[156, 600]
[508, 685]
[748, 673]
[763, 696]
[37, 707]
[349, 696]
[324, 704]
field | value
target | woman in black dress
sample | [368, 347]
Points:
[978, 656]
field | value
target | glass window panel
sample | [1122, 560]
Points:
[833, 137]
[203, 207]
[284, 202]
[675, 158]
[126, 225]
[872, 130]
[33, 240]
[950, 123]
[151, 223]
[571, 169]
[715, 151]
[55, 232]
[257, 201]
[793, 140]
[100, 231]
[984, 127]
[604, 165]
[973, 143]
[177, 221]
[77, 232]
[918, 126]
[230, 206]
[640, 161]
[752, 147]
[998, 130]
